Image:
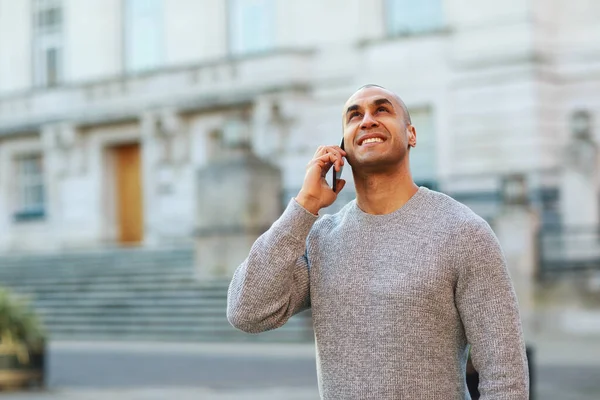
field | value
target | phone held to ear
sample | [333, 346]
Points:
[337, 174]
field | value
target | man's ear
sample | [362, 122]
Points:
[412, 136]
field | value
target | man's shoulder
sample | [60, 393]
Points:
[329, 221]
[468, 230]
[454, 212]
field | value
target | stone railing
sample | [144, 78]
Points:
[227, 80]
[569, 249]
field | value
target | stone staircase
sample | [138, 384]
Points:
[131, 294]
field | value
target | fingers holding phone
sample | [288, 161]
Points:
[337, 174]
[316, 192]
[334, 155]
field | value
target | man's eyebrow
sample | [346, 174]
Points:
[352, 108]
[382, 101]
[377, 102]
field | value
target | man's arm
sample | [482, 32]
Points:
[272, 284]
[488, 307]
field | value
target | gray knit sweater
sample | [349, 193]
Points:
[395, 299]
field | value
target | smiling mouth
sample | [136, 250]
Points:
[371, 140]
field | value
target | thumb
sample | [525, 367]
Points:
[340, 185]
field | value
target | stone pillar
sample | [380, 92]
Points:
[150, 156]
[55, 163]
[517, 227]
[579, 179]
[4, 203]
[238, 198]
[64, 156]
[72, 207]
[167, 176]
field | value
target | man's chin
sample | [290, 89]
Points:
[375, 165]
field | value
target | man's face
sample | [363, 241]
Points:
[376, 135]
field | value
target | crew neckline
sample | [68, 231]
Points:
[412, 203]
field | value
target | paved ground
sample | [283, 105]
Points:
[172, 394]
[565, 370]
[223, 368]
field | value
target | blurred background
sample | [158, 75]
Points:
[145, 144]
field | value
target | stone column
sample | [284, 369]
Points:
[517, 227]
[56, 163]
[579, 180]
[73, 209]
[150, 156]
[167, 173]
[4, 206]
[171, 151]
[238, 198]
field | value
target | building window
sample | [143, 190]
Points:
[30, 199]
[144, 38]
[47, 42]
[251, 24]
[423, 158]
[408, 16]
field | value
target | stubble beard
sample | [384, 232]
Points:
[379, 165]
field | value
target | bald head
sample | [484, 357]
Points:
[403, 107]
[378, 112]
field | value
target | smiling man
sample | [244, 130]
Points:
[399, 281]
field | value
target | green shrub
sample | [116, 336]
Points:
[19, 324]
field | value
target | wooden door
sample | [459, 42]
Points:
[129, 194]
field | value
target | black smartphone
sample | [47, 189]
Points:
[337, 174]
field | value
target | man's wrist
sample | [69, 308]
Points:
[309, 203]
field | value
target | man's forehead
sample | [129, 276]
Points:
[369, 95]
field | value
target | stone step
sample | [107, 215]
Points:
[183, 248]
[98, 269]
[86, 264]
[190, 312]
[183, 293]
[184, 336]
[53, 277]
[92, 260]
[90, 265]
[141, 278]
[169, 285]
[132, 294]
[129, 302]
[104, 283]
[173, 283]
[173, 329]
[160, 321]
[175, 303]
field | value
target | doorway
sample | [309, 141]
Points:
[129, 207]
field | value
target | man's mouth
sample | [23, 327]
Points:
[373, 138]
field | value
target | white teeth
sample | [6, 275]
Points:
[372, 140]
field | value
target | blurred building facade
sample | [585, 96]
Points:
[108, 108]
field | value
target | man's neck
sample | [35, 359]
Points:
[384, 193]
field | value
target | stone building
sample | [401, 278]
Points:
[108, 108]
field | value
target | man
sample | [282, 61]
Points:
[399, 281]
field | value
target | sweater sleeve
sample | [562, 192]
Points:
[488, 307]
[272, 283]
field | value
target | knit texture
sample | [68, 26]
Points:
[395, 299]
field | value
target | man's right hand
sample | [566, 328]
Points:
[316, 192]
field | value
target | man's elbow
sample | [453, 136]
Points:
[239, 321]
[255, 320]
[250, 321]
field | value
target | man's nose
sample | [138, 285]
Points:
[368, 121]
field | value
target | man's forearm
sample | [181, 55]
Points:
[272, 283]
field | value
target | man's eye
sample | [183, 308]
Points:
[382, 109]
[354, 114]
